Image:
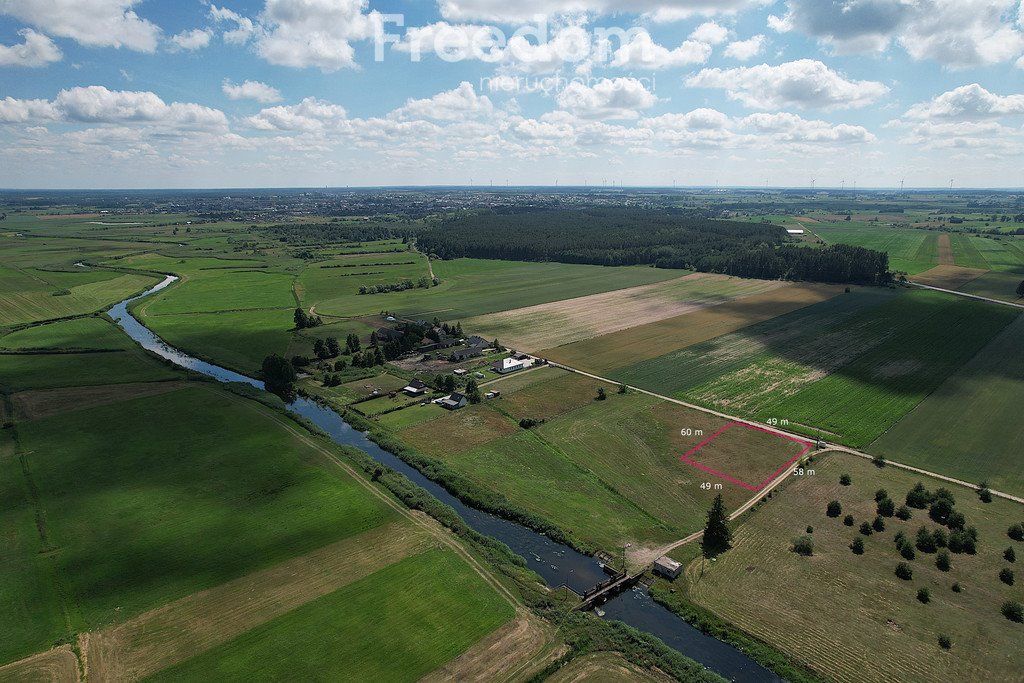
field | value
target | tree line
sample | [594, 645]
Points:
[661, 238]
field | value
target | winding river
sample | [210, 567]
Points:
[556, 563]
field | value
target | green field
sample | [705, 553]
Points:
[226, 290]
[863, 398]
[78, 333]
[28, 298]
[145, 501]
[746, 368]
[910, 250]
[847, 615]
[397, 624]
[970, 428]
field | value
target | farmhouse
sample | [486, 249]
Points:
[453, 402]
[416, 388]
[465, 354]
[507, 365]
[386, 334]
[475, 342]
[667, 567]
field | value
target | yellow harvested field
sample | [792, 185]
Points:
[643, 342]
[510, 653]
[58, 665]
[562, 322]
[948, 276]
[605, 667]
[185, 628]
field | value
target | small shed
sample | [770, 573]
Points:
[667, 567]
[415, 388]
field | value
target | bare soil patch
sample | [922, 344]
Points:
[58, 665]
[605, 667]
[185, 628]
[34, 405]
[945, 250]
[948, 276]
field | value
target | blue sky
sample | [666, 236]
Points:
[124, 93]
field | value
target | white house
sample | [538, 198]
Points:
[507, 365]
[453, 402]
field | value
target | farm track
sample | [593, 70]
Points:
[969, 296]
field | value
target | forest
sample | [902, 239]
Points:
[660, 238]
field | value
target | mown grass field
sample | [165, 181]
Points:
[29, 298]
[970, 428]
[78, 333]
[225, 290]
[643, 342]
[395, 625]
[148, 500]
[848, 616]
[865, 397]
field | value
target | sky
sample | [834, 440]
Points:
[313, 93]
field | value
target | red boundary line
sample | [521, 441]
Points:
[686, 458]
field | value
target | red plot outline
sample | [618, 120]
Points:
[686, 458]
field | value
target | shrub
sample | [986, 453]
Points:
[918, 497]
[848, 520]
[985, 495]
[942, 561]
[924, 595]
[944, 642]
[1009, 555]
[1006, 576]
[878, 461]
[886, 508]
[961, 542]
[904, 513]
[857, 546]
[907, 551]
[957, 588]
[834, 509]
[810, 529]
[804, 545]
[925, 542]
[903, 571]
[1016, 532]
[865, 528]
[956, 520]
[1013, 611]
[845, 480]
[941, 540]
[879, 524]
[880, 495]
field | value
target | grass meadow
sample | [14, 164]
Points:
[847, 615]
[397, 624]
[145, 501]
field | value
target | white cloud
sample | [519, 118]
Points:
[610, 98]
[244, 27]
[314, 33]
[957, 33]
[37, 50]
[451, 42]
[310, 115]
[788, 127]
[641, 52]
[968, 103]
[94, 23]
[804, 83]
[96, 104]
[251, 90]
[711, 33]
[745, 49]
[196, 39]
[452, 105]
[526, 10]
